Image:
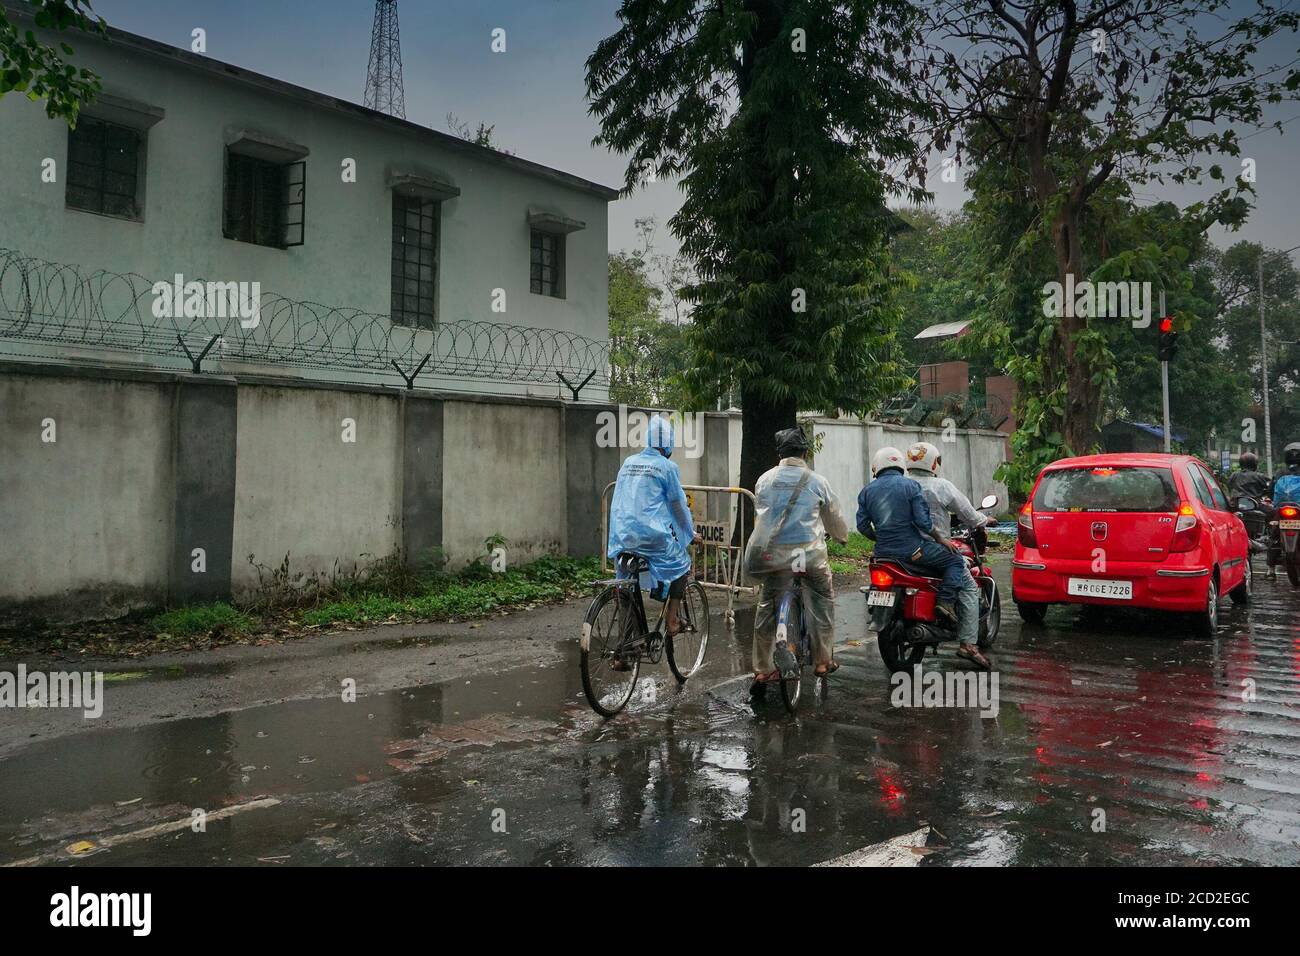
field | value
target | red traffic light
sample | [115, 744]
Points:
[1167, 324]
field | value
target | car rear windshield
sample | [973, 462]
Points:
[1107, 489]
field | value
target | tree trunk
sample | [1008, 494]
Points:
[760, 421]
[1078, 425]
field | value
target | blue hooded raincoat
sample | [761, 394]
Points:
[649, 514]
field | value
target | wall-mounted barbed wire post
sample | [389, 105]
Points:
[575, 391]
[410, 379]
[198, 362]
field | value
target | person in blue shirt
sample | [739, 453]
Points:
[649, 516]
[892, 511]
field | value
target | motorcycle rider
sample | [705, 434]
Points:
[794, 509]
[892, 511]
[944, 499]
[649, 516]
[1284, 490]
[1247, 480]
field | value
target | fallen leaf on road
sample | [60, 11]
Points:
[81, 846]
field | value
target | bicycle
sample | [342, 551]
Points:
[791, 657]
[616, 638]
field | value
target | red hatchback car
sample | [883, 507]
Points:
[1130, 530]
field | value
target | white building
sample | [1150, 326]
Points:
[189, 166]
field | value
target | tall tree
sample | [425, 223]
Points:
[40, 71]
[782, 118]
[1090, 96]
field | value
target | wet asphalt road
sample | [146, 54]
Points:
[1125, 715]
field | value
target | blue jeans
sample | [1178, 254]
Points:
[942, 562]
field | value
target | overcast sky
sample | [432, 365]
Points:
[534, 93]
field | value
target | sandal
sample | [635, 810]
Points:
[826, 670]
[974, 655]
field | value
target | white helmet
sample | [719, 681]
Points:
[922, 456]
[887, 457]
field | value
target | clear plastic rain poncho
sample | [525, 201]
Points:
[797, 540]
[649, 515]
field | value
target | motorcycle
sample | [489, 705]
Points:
[1285, 534]
[901, 601]
[1255, 516]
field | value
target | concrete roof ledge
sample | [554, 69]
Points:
[260, 145]
[124, 111]
[553, 222]
[423, 186]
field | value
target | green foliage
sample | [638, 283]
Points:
[780, 150]
[647, 354]
[31, 67]
[203, 619]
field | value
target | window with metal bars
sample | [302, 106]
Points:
[546, 264]
[104, 169]
[415, 261]
[264, 201]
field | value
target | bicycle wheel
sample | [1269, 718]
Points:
[792, 686]
[610, 625]
[686, 648]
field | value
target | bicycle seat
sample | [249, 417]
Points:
[629, 562]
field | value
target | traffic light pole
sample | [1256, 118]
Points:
[1164, 380]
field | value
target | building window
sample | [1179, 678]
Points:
[546, 262]
[265, 201]
[104, 168]
[415, 260]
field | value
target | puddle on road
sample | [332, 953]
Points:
[1117, 714]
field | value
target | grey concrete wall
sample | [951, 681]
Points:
[204, 419]
[85, 521]
[422, 467]
[503, 473]
[589, 467]
[305, 492]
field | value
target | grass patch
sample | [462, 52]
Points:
[203, 619]
[851, 557]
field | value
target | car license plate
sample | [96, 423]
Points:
[1095, 587]
[880, 598]
[1289, 525]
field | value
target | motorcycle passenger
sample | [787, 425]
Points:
[1286, 486]
[649, 516]
[795, 508]
[944, 499]
[892, 511]
[1247, 480]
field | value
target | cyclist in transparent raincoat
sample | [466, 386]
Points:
[649, 516]
[795, 508]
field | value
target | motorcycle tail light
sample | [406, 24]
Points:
[1286, 511]
[1187, 532]
[1025, 526]
[881, 578]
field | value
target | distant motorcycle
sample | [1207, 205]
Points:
[1255, 515]
[1285, 526]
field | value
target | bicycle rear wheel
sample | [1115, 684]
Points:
[686, 649]
[610, 626]
[792, 677]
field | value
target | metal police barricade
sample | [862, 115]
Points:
[717, 563]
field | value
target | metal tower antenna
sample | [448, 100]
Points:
[384, 74]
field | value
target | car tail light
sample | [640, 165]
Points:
[1187, 532]
[881, 578]
[1287, 511]
[1025, 526]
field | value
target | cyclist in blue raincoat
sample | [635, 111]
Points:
[649, 516]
